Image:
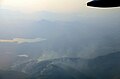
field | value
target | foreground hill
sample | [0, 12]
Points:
[13, 75]
[61, 68]
[106, 67]
[103, 67]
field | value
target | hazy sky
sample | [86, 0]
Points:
[52, 10]
[49, 5]
[58, 6]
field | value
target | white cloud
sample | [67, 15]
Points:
[22, 40]
[26, 56]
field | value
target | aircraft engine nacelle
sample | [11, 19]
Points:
[104, 3]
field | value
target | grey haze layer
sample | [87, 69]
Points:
[85, 36]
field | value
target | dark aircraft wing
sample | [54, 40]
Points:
[104, 3]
